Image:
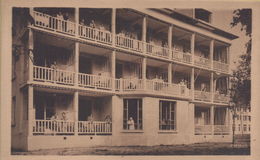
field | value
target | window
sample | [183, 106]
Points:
[249, 118]
[13, 110]
[244, 127]
[203, 14]
[239, 127]
[132, 114]
[167, 118]
[249, 127]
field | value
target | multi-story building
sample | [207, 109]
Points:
[86, 76]
[243, 121]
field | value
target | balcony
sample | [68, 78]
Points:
[202, 96]
[212, 129]
[67, 78]
[129, 43]
[202, 62]
[101, 36]
[61, 127]
[181, 57]
[221, 98]
[152, 87]
[220, 67]
[157, 50]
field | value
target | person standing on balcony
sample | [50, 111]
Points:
[59, 21]
[92, 31]
[54, 71]
[66, 27]
[82, 28]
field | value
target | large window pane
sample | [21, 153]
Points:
[167, 115]
[132, 114]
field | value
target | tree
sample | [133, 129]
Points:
[241, 80]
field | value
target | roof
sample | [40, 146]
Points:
[195, 22]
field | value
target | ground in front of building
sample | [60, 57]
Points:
[191, 149]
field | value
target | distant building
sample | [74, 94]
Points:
[243, 121]
[118, 77]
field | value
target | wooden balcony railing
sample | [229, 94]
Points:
[203, 129]
[131, 84]
[129, 43]
[61, 127]
[53, 75]
[95, 81]
[181, 57]
[221, 98]
[202, 62]
[95, 34]
[157, 50]
[52, 23]
[53, 127]
[221, 67]
[95, 127]
[202, 96]
[221, 129]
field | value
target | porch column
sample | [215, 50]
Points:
[170, 41]
[113, 69]
[76, 63]
[192, 83]
[144, 71]
[192, 47]
[212, 118]
[113, 26]
[170, 73]
[228, 56]
[211, 51]
[31, 111]
[212, 85]
[76, 111]
[144, 30]
[30, 55]
[77, 21]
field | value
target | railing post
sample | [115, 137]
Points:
[170, 41]
[211, 50]
[144, 72]
[192, 47]
[212, 119]
[192, 84]
[113, 26]
[212, 86]
[76, 107]
[113, 69]
[31, 116]
[77, 22]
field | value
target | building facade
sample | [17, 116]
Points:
[118, 77]
[243, 121]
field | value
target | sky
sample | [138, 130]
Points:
[222, 19]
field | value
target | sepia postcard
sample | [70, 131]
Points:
[129, 79]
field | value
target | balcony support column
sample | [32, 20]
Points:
[113, 26]
[31, 114]
[192, 83]
[76, 111]
[212, 118]
[30, 55]
[144, 71]
[170, 73]
[212, 86]
[77, 21]
[170, 41]
[113, 69]
[211, 52]
[192, 47]
[76, 63]
[228, 57]
[144, 30]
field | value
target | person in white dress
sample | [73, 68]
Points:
[131, 124]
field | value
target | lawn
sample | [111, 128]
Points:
[191, 149]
